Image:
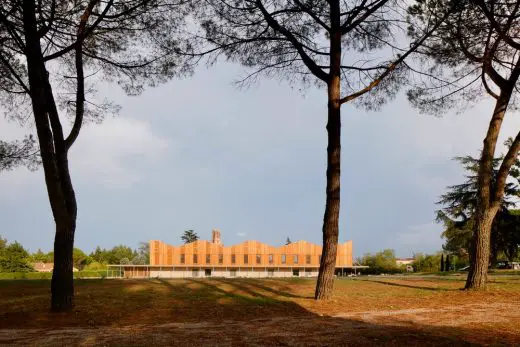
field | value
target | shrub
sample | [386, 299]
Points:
[427, 262]
[95, 266]
[381, 262]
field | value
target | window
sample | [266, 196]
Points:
[207, 272]
[220, 258]
[232, 273]
[295, 259]
[233, 259]
[270, 273]
[271, 258]
[246, 259]
[258, 259]
[195, 273]
[284, 259]
[296, 272]
[183, 260]
[195, 259]
[308, 258]
[208, 258]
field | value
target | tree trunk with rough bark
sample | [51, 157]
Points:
[488, 198]
[325, 283]
[62, 285]
[479, 258]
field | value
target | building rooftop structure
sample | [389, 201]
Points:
[247, 259]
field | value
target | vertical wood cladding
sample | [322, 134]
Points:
[249, 253]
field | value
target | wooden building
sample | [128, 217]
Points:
[248, 259]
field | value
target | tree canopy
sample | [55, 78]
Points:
[19, 153]
[460, 205]
[13, 257]
[349, 47]
[189, 236]
[52, 55]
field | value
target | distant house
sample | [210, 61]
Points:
[513, 265]
[46, 267]
[404, 261]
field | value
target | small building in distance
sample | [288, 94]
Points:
[248, 259]
[406, 262]
[43, 267]
[46, 267]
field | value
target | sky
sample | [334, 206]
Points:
[199, 153]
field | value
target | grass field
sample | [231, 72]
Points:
[396, 311]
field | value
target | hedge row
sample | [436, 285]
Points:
[47, 275]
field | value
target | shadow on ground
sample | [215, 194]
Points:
[396, 284]
[207, 312]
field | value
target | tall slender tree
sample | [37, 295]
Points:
[447, 264]
[47, 51]
[349, 47]
[475, 52]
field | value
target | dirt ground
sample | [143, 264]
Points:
[390, 311]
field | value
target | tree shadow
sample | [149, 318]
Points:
[218, 312]
[394, 284]
[283, 292]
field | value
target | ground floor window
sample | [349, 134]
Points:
[233, 273]
[207, 272]
[308, 272]
[296, 272]
[195, 273]
[270, 273]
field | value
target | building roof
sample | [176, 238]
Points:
[46, 267]
[43, 267]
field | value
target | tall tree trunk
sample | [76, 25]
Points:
[62, 285]
[325, 283]
[488, 204]
[54, 160]
[479, 257]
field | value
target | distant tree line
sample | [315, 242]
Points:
[380, 262]
[385, 262]
[15, 258]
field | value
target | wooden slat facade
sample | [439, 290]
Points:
[246, 254]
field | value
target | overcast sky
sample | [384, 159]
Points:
[199, 154]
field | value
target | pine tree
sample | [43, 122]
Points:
[475, 52]
[189, 236]
[346, 47]
[460, 206]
